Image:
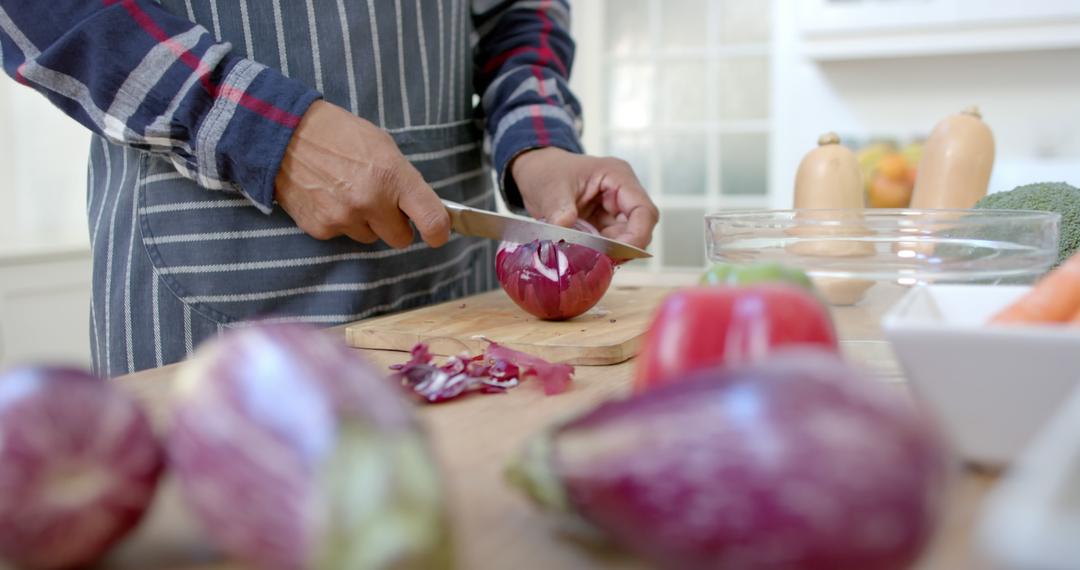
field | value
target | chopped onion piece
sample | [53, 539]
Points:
[496, 370]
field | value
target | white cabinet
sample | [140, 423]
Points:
[837, 30]
[855, 16]
[45, 306]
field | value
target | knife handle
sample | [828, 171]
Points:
[453, 206]
[457, 219]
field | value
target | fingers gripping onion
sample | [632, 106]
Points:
[554, 280]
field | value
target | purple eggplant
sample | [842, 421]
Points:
[296, 453]
[79, 466]
[793, 462]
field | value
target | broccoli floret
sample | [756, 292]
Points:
[1048, 197]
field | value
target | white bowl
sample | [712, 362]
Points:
[992, 387]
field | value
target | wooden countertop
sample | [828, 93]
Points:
[494, 527]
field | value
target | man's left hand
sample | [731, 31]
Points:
[559, 187]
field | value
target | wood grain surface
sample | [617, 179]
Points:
[494, 528]
[608, 333]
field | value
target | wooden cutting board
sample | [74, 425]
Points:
[609, 333]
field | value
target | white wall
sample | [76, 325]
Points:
[5, 144]
[44, 257]
[43, 157]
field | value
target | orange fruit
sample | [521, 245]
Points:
[893, 166]
[889, 193]
[911, 176]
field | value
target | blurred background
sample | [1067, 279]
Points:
[714, 102]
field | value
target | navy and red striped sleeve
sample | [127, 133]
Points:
[143, 77]
[523, 56]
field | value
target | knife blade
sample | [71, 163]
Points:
[508, 227]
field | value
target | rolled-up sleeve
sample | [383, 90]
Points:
[143, 77]
[523, 55]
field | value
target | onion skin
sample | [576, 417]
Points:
[794, 462]
[79, 465]
[495, 371]
[554, 281]
[295, 453]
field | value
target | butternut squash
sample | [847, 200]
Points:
[956, 163]
[829, 178]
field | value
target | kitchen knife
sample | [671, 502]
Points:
[482, 223]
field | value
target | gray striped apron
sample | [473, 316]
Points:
[175, 264]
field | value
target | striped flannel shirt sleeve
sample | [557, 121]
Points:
[143, 77]
[523, 54]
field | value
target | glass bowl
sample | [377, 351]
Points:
[863, 261]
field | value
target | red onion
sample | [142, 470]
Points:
[295, 453]
[792, 462]
[554, 281]
[555, 377]
[79, 464]
[495, 371]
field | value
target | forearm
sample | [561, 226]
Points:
[523, 61]
[143, 77]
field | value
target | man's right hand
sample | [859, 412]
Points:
[342, 175]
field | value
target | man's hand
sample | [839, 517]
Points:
[342, 175]
[559, 187]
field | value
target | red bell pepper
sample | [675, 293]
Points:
[709, 326]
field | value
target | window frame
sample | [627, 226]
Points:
[589, 81]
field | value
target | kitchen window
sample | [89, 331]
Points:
[681, 90]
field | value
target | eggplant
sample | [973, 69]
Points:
[796, 461]
[79, 466]
[295, 453]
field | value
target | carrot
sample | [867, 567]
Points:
[1055, 298]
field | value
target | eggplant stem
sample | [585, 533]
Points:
[532, 472]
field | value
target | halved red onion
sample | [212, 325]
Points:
[79, 464]
[294, 452]
[554, 280]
